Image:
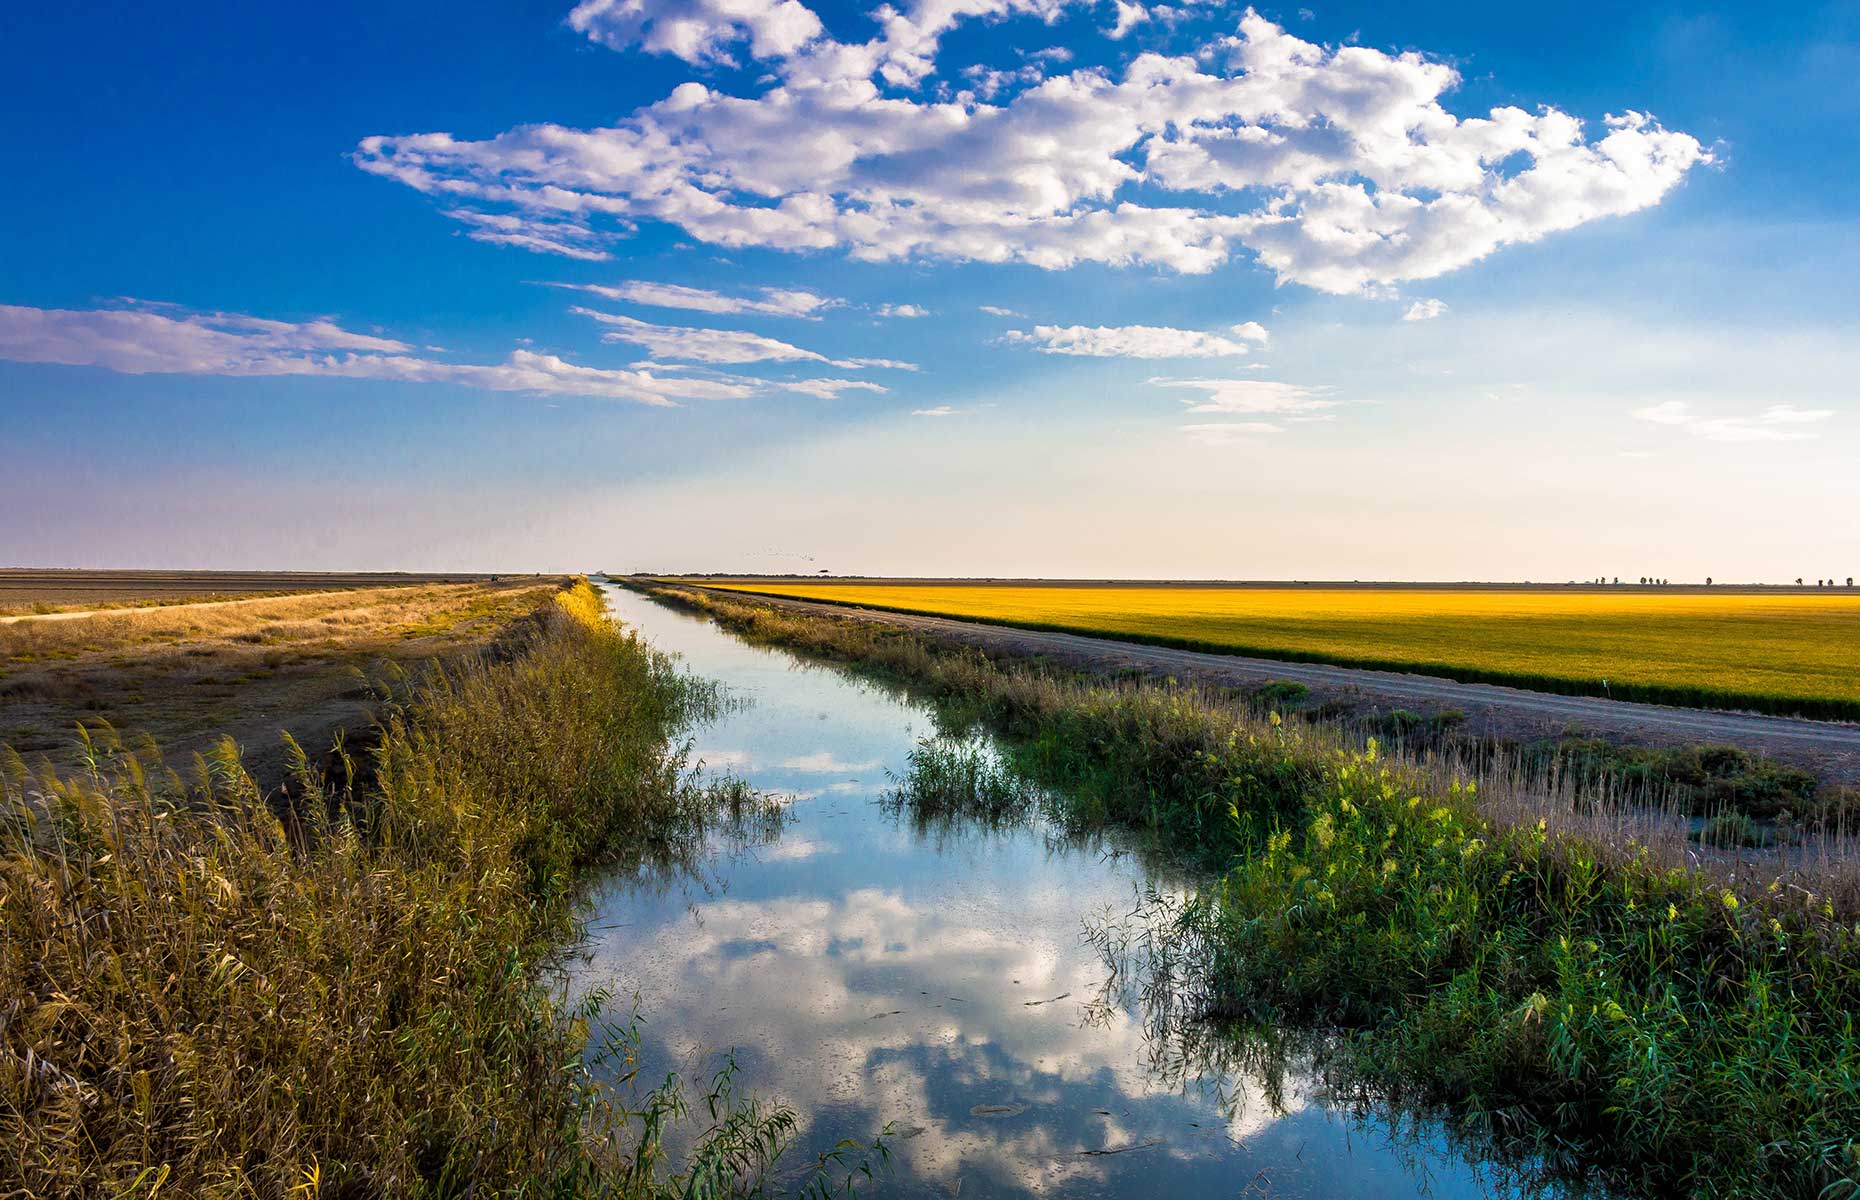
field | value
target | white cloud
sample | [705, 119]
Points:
[1139, 341]
[1776, 423]
[825, 762]
[1227, 433]
[993, 311]
[569, 239]
[1670, 412]
[1129, 16]
[773, 302]
[1335, 167]
[902, 310]
[142, 341]
[1424, 310]
[698, 31]
[829, 389]
[694, 344]
[941, 410]
[718, 346]
[887, 364]
[988, 83]
[1252, 396]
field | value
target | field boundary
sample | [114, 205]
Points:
[1811, 708]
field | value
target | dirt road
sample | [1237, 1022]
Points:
[1830, 749]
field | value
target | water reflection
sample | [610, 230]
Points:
[868, 972]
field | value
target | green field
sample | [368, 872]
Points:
[1778, 652]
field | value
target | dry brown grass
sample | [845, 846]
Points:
[28, 591]
[188, 673]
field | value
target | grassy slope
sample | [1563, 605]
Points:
[1791, 654]
[208, 992]
[1696, 1040]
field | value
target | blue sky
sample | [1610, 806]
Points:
[1335, 292]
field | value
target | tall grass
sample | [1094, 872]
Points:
[1550, 968]
[340, 991]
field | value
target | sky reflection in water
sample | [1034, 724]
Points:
[866, 973]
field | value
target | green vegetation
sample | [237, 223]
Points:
[1588, 999]
[342, 989]
[1771, 652]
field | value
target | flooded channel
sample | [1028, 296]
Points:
[865, 973]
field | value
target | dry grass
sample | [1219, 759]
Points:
[188, 674]
[1775, 652]
[33, 591]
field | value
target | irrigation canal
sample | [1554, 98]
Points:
[864, 971]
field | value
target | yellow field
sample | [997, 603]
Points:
[1775, 652]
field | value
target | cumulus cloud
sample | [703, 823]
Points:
[1252, 396]
[699, 31]
[902, 310]
[1139, 341]
[1776, 423]
[1424, 310]
[1129, 16]
[768, 301]
[141, 341]
[1335, 167]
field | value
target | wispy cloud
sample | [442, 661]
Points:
[829, 389]
[1424, 310]
[718, 346]
[1776, 423]
[902, 310]
[825, 762]
[1251, 396]
[139, 341]
[995, 311]
[767, 302]
[568, 239]
[941, 410]
[1139, 341]
[1227, 433]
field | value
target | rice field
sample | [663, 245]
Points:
[1779, 652]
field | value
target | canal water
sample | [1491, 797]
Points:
[866, 973]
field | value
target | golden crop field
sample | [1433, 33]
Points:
[1775, 652]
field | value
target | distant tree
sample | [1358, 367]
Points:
[1708, 581]
[1643, 581]
[1798, 581]
[1850, 581]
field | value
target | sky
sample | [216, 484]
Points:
[951, 287]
